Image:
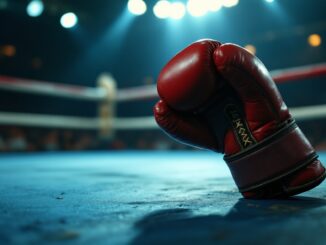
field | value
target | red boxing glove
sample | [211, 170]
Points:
[222, 98]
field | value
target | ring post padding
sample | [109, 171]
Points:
[107, 106]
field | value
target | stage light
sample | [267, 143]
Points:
[269, 1]
[137, 7]
[178, 10]
[162, 9]
[35, 8]
[230, 3]
[251, 48]
[68, 20]
[214, 5]
[314, 40]
[8, 50]
[197, 8]
[3, 4]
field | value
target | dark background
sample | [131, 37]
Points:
[134, 48]
[108, 38]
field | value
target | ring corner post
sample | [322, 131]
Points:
[106, 110]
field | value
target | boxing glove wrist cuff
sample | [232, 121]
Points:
[279, 155]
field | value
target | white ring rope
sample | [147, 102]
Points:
[309, 112]
[41, 120]
[52, 89]
[132, 123]
[54, 121]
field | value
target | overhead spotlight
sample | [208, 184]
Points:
[178, 10]
[214, 5]
[196, 8]
[35, 8]
[269, 1]
[230, 3]
[68, 20]
[8, 50]
[162, 9]
[3, 4]
[137, 7]
[314, 40]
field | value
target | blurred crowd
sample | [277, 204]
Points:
[20, 139]
[26, 139]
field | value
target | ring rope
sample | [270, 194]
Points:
[54, 121]
[136, 93]
[108, 95]
[130, 123]
[52, 89]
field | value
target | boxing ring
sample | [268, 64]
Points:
[141, 197]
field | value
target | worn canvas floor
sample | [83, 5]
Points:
[145, 198]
